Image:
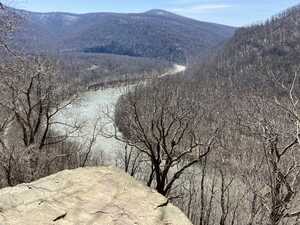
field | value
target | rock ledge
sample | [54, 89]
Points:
[86, 196]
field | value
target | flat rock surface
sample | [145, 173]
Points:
[86, 196]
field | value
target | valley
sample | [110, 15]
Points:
[95, 108]
[204, 116]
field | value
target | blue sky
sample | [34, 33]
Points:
[231, 12]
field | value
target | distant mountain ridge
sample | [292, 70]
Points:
[154, 34]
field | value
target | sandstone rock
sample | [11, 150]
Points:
[86, 196]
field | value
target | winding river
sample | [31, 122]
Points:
[91, 106]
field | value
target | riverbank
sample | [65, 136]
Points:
[91, 110]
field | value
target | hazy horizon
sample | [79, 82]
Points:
[228, 12]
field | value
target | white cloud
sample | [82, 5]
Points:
[199, 8]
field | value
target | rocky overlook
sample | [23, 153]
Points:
[96, 196]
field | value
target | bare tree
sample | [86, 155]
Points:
[87, 152]
[274, 178]
[130, 160]
[31, 97]
[161, 121]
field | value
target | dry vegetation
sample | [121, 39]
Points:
[248, 100]
[33, 91]
[224, 158]
[224, 148]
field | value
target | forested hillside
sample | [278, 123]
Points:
[260, 54]
[223, 144]
[231, 135]
[90, 68]
[154, 34]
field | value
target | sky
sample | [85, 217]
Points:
[230, 12]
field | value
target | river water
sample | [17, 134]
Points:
[93, 106]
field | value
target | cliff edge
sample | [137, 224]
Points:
[86, 196]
